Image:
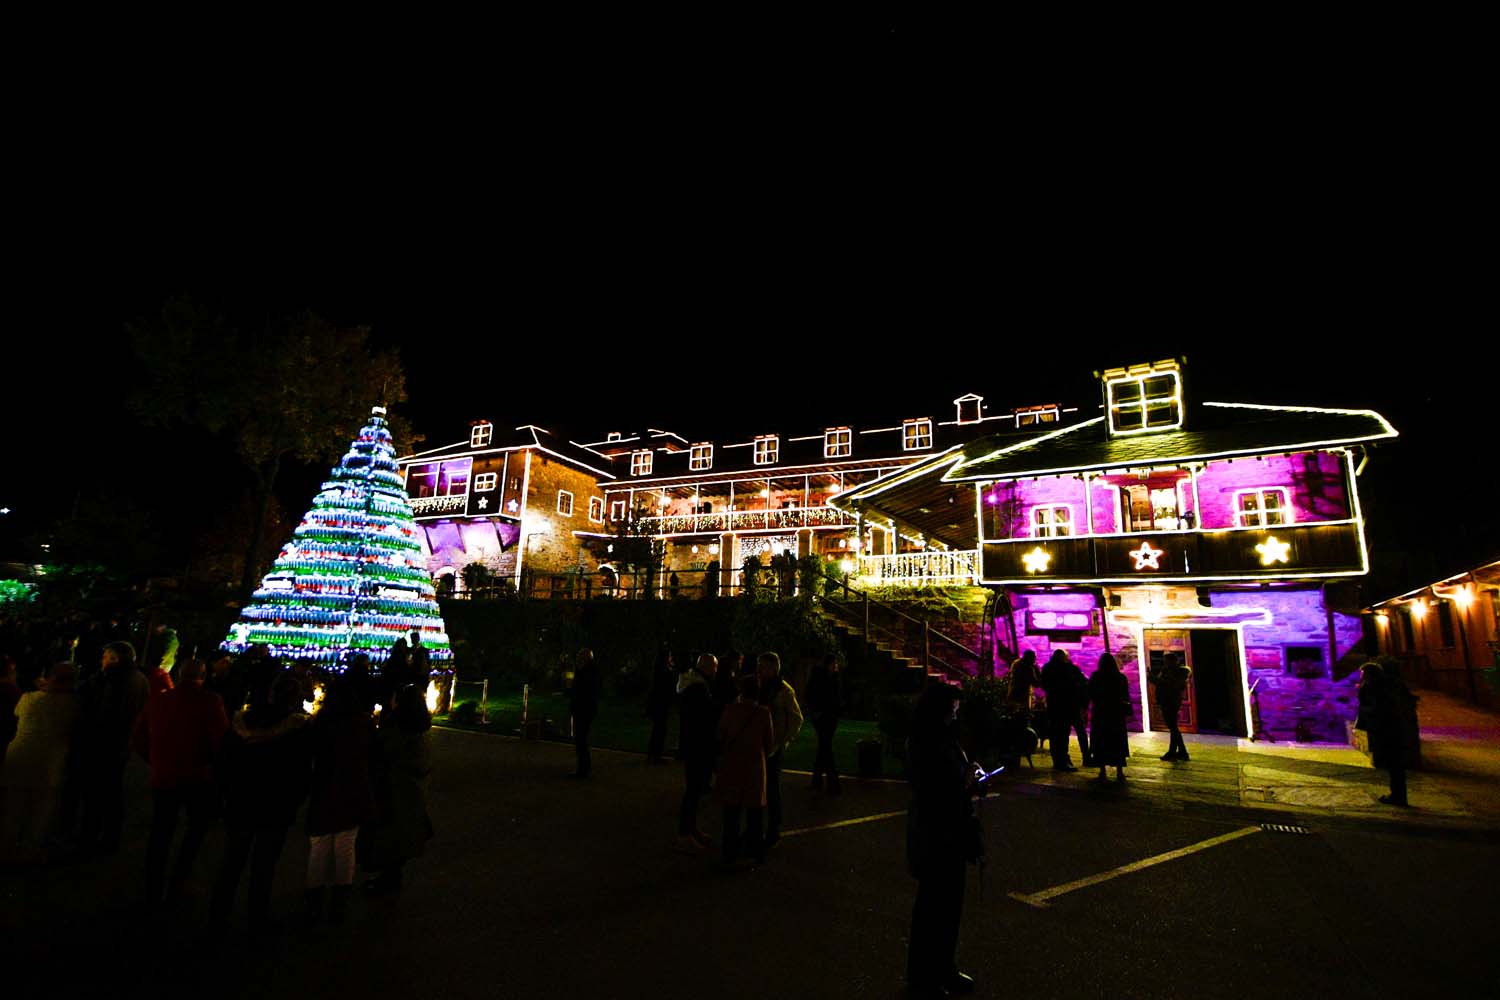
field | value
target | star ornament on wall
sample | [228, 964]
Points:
[1146, 557]
[512, 506]
[1272, 551]
[483, 503]
[1036, 560]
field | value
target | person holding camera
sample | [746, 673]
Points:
[943, 838]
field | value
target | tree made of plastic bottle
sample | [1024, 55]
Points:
[354, 578]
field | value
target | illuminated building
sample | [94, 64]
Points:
[1446, 633]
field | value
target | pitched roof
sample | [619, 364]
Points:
[1215, 430]
[525, 436]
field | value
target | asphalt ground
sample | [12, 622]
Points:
[537, 885]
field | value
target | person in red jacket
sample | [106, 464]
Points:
[179, 734]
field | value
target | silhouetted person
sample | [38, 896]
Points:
[823, 705]
[341, 798]
[726, 681]
[1067, 691]
[786, 720]
[1023, 679]
[942, 839]
[1171, 687]
[226, 678]
[36, 763]
[659, 703]
[108, 705]
[263, 769]
[1381, 717]
[745, 739]
[696, 716]
[1109, 698]
[583, 704]
[178, 734]
[401, 826]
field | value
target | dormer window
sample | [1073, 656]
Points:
[838, 442]
[767, 448]
[1030, 416]
[1144, 398]
[613, 436]
[481, 434]
[970, 408]
[701, 457]
[916, 434]
[640, 462]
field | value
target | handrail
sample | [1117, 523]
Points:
[927, 629]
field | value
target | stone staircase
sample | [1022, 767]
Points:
[905, 668]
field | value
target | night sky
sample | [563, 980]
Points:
[588, 321]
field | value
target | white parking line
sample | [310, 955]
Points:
[1039, 899]
[842, 822]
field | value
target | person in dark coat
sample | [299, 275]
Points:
[1109, 698]
[745, 736]
[1380, 718]
[823, 705]
[583, 704]
[226, 678]
[659, 703]
[108, 705]
[1171, 687]
[696, 734]
[341, 794]
[942, 840]
[399, 768]
[1067, 691]
[263, 769]
[1023, 679]
[179, 735]
[726, 681]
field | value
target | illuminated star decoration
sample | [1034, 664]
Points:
[1036, 560]
[1272, 551]
[483, 503]
[1146, 557]
[512, 506]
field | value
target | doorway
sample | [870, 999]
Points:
[1214, 701]
[1160, 642]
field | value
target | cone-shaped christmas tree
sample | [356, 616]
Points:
[353, 578]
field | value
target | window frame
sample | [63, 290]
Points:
[485, 482]
[596, 510]
[833, 447]
[701, 456]
[767, 449]
[481, 434]
[617, 510]
[560, 495]
[1046, 527]
[640, 462]
[913, 434]
[1143, 404]
[1242, 518]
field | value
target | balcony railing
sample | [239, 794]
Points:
[1281, 551]
[427, 506]
[920, 569]
[746, 520]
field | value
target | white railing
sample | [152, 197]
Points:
[438, 505]
[921, 569]
[746, 520]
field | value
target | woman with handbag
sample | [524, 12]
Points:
[943, 838]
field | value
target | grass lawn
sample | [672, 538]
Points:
[624, 726]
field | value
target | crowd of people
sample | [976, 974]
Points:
[242, 741]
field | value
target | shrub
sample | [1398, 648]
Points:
[465, 713]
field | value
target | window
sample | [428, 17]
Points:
[565, 503]
[453, 477]
[1036, 415]
[1407, 632]
[481, 435]
[1445, 624]
[916, 434]
[1051, 520]
[612, 436]
[766, 449]
[701, 457]
[1145, 402]
[596, 509]
[1261, 508]
[485, 481]
[969, 407]
[617, 510]
[421, 481]
[640, 463]
[837, 442]
[1304, 661]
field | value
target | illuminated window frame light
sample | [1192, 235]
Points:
[1257, 516]
[640, 462]
[565, 503]
[916, 435]
[1144, 402]
[596, 510]
[481, 434]
[1051, 520]
[701, 457]
[617, 510]
[486, 481]
[838, 442]
[767, 449]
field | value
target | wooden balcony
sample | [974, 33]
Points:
[746, 520]
[1310, 550]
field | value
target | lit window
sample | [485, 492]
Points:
[916, 434]
[1146, 402]
[1261, 508]
[766, 449]
[565, 503]
[481, 435]
[640, 463]
[617, 510]
[421, 481]
[1036, 415]
[838, 442]
[485, 481]
[453, 478]
[1051, 520]
[596, 509]
[701, 457]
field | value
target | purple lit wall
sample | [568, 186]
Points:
[1314, 482]
[1008, 505]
